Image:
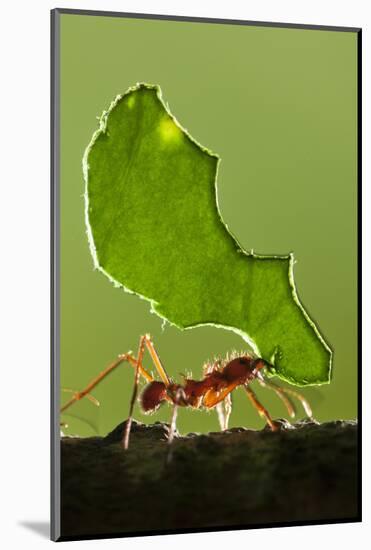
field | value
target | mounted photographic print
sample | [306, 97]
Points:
[205, 315]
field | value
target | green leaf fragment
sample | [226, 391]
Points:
[154, 228]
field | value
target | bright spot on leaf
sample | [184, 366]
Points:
[131, 101]
[169, 131]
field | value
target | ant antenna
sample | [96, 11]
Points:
[279, 392]
[307, 408]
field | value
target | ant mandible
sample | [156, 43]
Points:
[220, 378]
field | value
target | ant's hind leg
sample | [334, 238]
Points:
[126, 435]
[259, 407]
[144, 342]
[178, 396]
[86, 391]
[156, 359]
[91, 398]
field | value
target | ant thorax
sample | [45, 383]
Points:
[221, 376]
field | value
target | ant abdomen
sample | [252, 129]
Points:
[152, 396]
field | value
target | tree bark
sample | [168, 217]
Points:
[235, 479]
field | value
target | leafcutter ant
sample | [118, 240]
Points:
[220, 378]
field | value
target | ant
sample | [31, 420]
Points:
[220, 378]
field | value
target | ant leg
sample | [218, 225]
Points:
[227, 410]
[91, 398]
[307, 408]
[224, 409]
[178, 396]
[156, 360]
[259, 407]
[144, 341]
[221, 416]
[126, 435]
[121, 359]
[280, 392]
[139, 369]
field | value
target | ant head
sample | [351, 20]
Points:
[260, 364]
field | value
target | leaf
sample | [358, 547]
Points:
[155, 229]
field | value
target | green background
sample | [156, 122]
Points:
[280, 108]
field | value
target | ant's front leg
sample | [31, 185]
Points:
[260, 408]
